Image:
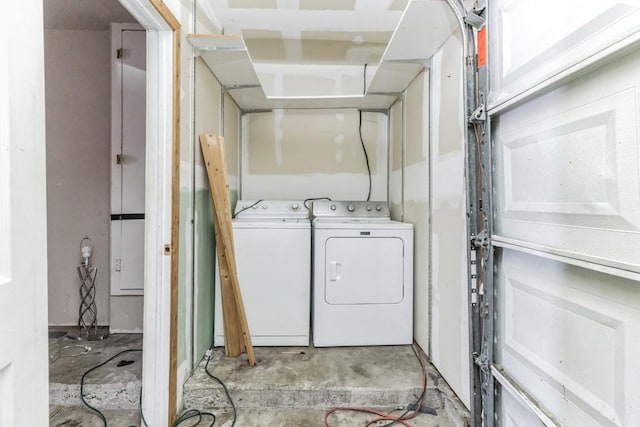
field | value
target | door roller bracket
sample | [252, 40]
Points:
[479, 115]
[482, 240]
[475, 18]
[482, 360]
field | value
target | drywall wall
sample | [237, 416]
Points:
[231, 133]
[77, 79]
[449, 313]
[416, 198]
[207, 120]
[298, 154]
[396, 154]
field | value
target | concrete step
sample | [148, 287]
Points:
[303, 417]
[316, 379]
[115, 385]
[65, 416]
[76, 416]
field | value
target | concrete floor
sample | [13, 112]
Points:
[288, 387]
[296, 386]
[113, 389]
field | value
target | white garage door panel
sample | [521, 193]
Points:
[536, 40]
[515, 414]
[570, 337]
[568, 168]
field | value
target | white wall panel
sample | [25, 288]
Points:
[416, 200]
[533, 40]
[569, 336]
[448, 231]
[569, 167]
[396, 154]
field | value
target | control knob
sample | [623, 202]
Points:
[369, 208]
[378, 208]
[333, 207]
[351, 207]
[295, 207]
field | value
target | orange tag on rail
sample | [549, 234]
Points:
[482, 47]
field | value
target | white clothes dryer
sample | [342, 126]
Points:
[362, 275]
[272, 242]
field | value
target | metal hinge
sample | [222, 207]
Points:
[482, 240]
[119, 53]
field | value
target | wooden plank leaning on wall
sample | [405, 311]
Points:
[236, 329]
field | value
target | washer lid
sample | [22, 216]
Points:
[275, 209]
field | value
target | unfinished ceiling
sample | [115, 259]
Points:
[331, 50]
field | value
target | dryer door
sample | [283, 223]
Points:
[364, 270]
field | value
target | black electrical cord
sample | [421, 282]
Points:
[245, 208]
[193, 413]
[310, 199]
[144, 422]
[366, 156]
[364, 83]
[224, 387]
[97, 411]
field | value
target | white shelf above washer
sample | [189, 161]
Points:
[408, 53]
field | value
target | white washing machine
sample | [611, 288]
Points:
[362, 275]
[273, 258]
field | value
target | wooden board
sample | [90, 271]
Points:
[235, 319]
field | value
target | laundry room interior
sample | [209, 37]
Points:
[328, 113]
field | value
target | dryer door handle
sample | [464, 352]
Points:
[334, 271]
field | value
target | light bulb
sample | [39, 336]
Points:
[86, 249]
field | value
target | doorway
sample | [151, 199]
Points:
[79, 62]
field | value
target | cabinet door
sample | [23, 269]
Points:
[364, 270]
[128, 159]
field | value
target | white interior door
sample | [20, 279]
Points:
[128, 159]
[566, 144]
[23, 253]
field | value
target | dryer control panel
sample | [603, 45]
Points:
[350, 209]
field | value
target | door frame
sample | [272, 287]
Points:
[159, 360]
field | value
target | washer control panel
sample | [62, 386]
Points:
[271, 209]
[350, 209]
